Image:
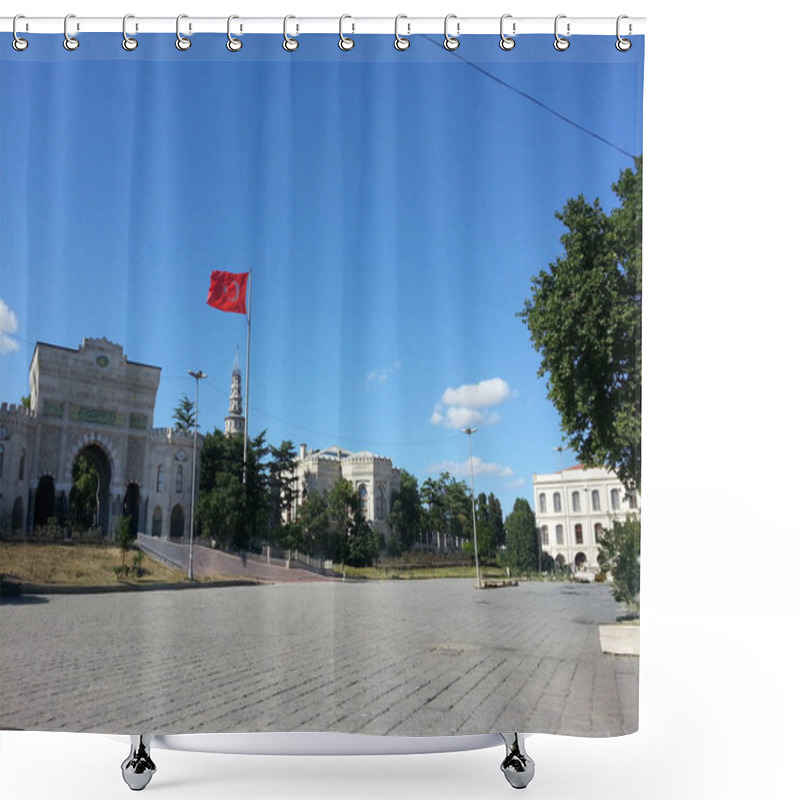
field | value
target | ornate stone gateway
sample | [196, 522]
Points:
[92, 407]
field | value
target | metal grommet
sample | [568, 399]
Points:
[561, 44]
[70, 42]
[128, 42]
[289, 43]
[233, 44]
[506, 42]
[622, 44]
[19, 43]
[345, 43]
[400, 42]
[181, 42]
[450, 42]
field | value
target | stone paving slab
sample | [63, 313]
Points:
[407, 658]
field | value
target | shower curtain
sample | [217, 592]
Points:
[286, 443]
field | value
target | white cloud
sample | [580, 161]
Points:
[8, 327]
[377, 377]
[467, 405]
[478, 395]
[461, 468]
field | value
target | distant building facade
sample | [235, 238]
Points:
[572, 508]
[93, 402]
[373, 477]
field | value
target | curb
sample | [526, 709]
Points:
[32, 588]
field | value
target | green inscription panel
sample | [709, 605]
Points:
[97, 416]
[138, 421]
[51, 409]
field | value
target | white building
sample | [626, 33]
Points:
[572, 508]
[372, 476]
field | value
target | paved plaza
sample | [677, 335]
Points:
[385, 657]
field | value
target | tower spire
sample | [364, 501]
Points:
[234, 422]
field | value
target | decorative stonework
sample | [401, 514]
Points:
[96, 416]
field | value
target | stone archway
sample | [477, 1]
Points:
[89, 495]
[177, 522]
[45, 503]
[17, 515]
[580, 561]
[130, 505]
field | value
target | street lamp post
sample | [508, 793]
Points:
[197, 376]
[469, 432]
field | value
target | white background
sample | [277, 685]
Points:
[719, 670]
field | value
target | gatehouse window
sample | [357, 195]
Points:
[157, 521]
[179, 479]
[557, 502]
[545, 536]
[595, 500]
[542, 503]
[22, 465]
[576, 501]
[578, 533]
[381, 503]
[615, 499]
[598, 531]
[631, 498]
[363, 498]
[559, 534]
[160, 478]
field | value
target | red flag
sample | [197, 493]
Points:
[228, 291]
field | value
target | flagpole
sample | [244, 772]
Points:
[247, 375]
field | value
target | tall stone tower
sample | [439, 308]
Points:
[234, 422]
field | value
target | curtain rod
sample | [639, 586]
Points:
[457, 26]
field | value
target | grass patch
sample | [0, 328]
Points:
[78, 565]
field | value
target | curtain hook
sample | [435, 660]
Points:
[400, 42]
[70, 42]
[561, 43]
[128, 42]
[19, 43]
[450, 42]
[622, 44]
[345, 43]
[233, 44]
[506, 42]
[181, 42]
[290, 44]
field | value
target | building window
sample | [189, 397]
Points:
[576, 501]
[557, 502]
[615, 499]
[578, 533]
[363, 498]
[545, 536]
[22, 465]
[381, 503]
[595, 500]
[631, 498]
[559, 534]
[160, 478]
[598, 531]
[542, 503]
[179, 479]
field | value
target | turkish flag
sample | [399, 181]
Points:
[228, 291]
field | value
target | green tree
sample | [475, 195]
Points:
[280, 484]
[619, 554]
[405, 517]
[313, 518]
[585, 319]
[25, 402]
[522, 538]
[125, 536]
[183, 414]
[447, 512]
[353, 540]
[83, 500]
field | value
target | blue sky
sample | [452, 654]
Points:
[391, 206]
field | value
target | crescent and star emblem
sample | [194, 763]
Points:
[235, 286]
